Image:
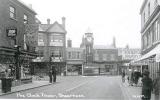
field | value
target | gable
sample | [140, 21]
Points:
[56, 28]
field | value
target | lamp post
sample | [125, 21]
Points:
[17, 64]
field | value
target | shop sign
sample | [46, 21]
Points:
[158, 57]
[56, 59]
[11, 32]
[56, 43]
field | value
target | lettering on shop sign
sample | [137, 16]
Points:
[11, 32]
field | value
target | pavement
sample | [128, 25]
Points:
[36, 83]
[132, 92]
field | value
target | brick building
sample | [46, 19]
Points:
[106, 59]
[75, 61]
[17, 36]
[51, 47]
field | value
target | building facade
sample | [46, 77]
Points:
[99, 59]
[150, 35]
[75, 61]
[106, 59]
[51, 47]
[17, 37]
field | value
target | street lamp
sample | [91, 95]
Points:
[17, 64]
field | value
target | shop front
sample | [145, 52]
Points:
[150, 61]
[74, 67]
[8, 65]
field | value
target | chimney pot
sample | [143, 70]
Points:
[48, 21]
[63, 22]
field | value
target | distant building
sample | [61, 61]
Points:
[99, 59]
[106, 59]
[74, 61]
[129, 54]
[51, 46]
[17, 30]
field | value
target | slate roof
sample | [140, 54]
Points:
[47, 27]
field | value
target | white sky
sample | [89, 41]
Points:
[105, 18]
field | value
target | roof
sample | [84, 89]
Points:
[143, 5]
[27, 6]
[103, 47]
[55, 27]
[44, 27]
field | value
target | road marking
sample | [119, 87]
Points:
[80, 85]
[76, 86]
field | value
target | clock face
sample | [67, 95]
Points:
[89, 39]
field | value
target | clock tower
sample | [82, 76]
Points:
[89, 47]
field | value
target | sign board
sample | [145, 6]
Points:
[158, 57]
[56, 59]
[11, 32]
[56, 43]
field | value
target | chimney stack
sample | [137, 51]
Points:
[30, 6]
[48, 21]
[69, 43]
[63, 22]
[114, 42]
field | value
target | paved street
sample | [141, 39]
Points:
[77, 87]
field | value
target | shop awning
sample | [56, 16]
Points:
[154, 51]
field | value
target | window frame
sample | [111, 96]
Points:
[12, 12]
[25, 21]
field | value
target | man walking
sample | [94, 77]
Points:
[146, 86]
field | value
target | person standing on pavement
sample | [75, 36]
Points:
[54, 73]
[137, 75]
[156, 87]
[132, 78]
[123, 76]
[147, 86]
[50, 76]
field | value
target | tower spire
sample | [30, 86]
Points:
[114, 42]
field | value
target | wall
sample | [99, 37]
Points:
[7, 22]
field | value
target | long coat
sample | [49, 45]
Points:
[156, 86]
[146, 88]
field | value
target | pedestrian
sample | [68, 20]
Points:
[54, 73]
[137, 75]
[123, 76]
[132, 78]
[147, 86]
[50, 76]
[156, 87]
